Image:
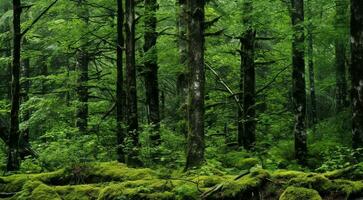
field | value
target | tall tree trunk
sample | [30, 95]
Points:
[82, 81]
[340, 53]
[120, 93]
[195, 148]
[25, 95]
[44, 73]
[313, 114]
[249, 78]
[13, 162]
[357, 71]
[298, 79]
[151, 68]
[131, 92]
[182, 78]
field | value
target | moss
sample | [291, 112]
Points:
[43, 192]
[118, 191]
[245, 187]
[35, 190]
[298, 193]
[78, 192]
[351, 173]
[14, 183]
[239, 160]
[286, 174]
[209, 181]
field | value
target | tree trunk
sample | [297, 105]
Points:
[357, 71]
[13, 162]
[25, 95]
[298, 79]
[131, 92]
[151, 68]
[249, 79]
[120, 93]
[340, 53]
[195, 141]
[313, 113]
[82, 65]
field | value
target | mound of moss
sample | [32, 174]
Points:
[111, 181]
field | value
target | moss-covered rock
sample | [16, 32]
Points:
[78, 192]
[351, 173]
[299, 193]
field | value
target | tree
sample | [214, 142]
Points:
[340, 53]
[13, 162]
[131, 92]
[151, 68]
[298, 80]
[120, 93]
[83, 60]
[195, 141]
[310, 52]
[248, 77]
[356, 29]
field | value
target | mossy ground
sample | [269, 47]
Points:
[108, 181]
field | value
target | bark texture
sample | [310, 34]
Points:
[131, 92]
[120, 93]
[248, 76]
[151, 68]
[357, 71]
[13, 161]
[340, 54]
[195, 146]
[298, 79]
[310, 51]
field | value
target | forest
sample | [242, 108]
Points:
[181, 99]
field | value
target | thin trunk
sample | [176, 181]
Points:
[357, 71]
[313, 114]
[25, 95]
[340, 53]
[151, 68]
[240, 112]
[249, 79]
[182, 78]
[131, 92]
[120, 93]
[44, 73]
[13, 162]
[298, 79]
[82, 65]
[195, 141]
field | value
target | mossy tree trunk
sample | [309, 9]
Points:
[340, 54]
[120, 93]
[298, 80]
[151, 68]
[357, 71]
[195, 141]
[131, 92]
[13, 161]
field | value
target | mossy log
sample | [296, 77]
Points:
[108, 181]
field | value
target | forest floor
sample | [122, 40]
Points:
[111, 181]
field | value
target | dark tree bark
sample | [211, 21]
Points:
[120, 93]
[25, 95]
[151, 68]
[310, 51]
[195, 146]
[357, 71]
[82, 66]
[298, 79]
[13, 162]
[248, 76]
[131, 92]
[340, 54]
